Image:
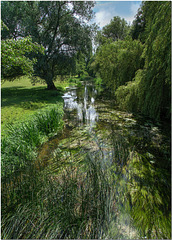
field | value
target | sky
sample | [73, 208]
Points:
[106, 10]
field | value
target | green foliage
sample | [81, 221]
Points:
[48, 121]
[76, 203]
[3, 26]
[150, 197]
[116, 29]
[80, 64]
[118, 61]
[14, 60]
[156, 83]
[61, 27]
[22, 139]
[151, 94]
[137, 30]
[127, 96]
[98, 81]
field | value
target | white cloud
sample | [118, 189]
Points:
[133, 11]
[103, 18]
[105, 11]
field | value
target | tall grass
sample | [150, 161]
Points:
[19, 152]
[77, 203]
[38, 203]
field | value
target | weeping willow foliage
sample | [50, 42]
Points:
[118, 61]
[128, 96]
[149, 92]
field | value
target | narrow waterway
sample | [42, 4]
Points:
[133, 151]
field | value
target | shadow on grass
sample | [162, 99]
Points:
[21, 97]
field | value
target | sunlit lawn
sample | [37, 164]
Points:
[20, 99]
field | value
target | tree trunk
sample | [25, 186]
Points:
[51, 86]
[49, 81]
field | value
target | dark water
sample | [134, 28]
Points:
[137, 152]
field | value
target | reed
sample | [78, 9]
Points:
[77, 203]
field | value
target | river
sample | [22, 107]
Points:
[133, 154]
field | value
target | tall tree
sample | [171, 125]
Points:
[137, 30]
[116, 29]
[155, 84]
[60, 26]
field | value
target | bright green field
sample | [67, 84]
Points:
[20, 100]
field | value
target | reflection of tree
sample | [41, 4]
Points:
[120, 147]
[142, 182]
[134, 157]
[149, 189]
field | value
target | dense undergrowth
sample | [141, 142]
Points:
[73, 204]
[18, 156]
[39, 203]
[75, 200]
[86, 198]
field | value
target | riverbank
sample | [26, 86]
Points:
[30, 116]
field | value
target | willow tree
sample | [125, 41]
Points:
[156, 83]
[60, 26]
[150, 90]
[117, 62]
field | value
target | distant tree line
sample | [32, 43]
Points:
[135, 62]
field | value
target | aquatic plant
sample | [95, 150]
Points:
[149, 192]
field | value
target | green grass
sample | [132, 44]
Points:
[20, 100]
[20, 143]
[19, 164]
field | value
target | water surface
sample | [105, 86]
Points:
[136, 152]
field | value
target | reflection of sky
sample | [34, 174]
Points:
[85, 111]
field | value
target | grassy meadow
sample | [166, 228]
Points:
[20, 100]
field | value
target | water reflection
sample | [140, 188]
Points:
[84, 105]
[136, 157]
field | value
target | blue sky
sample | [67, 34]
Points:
[106, 10]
